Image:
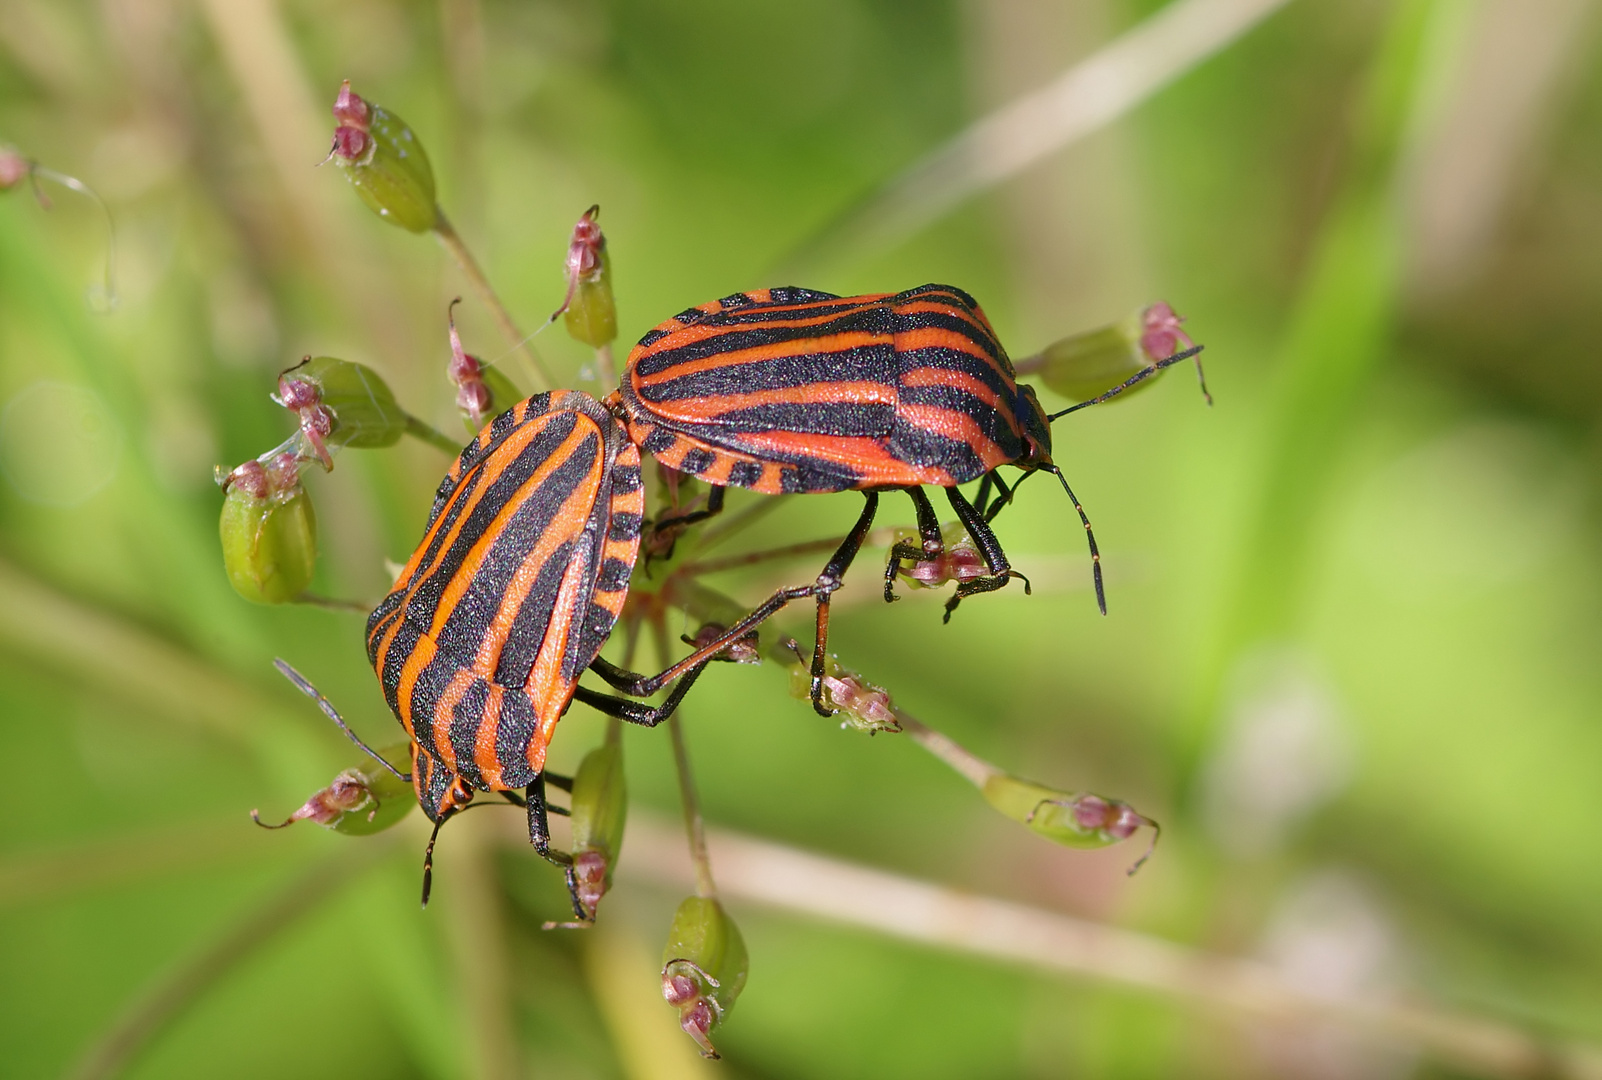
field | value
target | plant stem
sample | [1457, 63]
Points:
[170, 997]
[432, 435]
[605, 368]
[694, 826]
[486, 294]
[333, 603]
[810, 884]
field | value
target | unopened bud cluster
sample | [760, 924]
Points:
[360, 801]
[384, 161]
[959, 560]
[268, 529]
[861, 705]
[1073, 819]
[704, 967]
[14, 168]
[1086, 365]
[589, 309]
[599, 810]
[481, 391]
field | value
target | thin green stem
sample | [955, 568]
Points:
[432, 435]
[334, 603]
[605, 368]
[694, 826]
[170, 997]
[454, 244]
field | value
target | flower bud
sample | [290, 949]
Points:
[481, 392]
[599, 809]
[268, 530]
[360, 801]
[864, 706]
[1079, 819]
[959, 560]
[591, 312]
[340, 404]
[745, 649]
[1088, 364]
[14, 168]
[704, 966]
[384, 162]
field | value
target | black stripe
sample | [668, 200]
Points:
[745, 474]
[614, 576]
[518, 726]
[867, 363]
[625, 526]
[922, 447]
[874, 320]
[585, 643]
[839, 420]
[697, 461]
[993, 422]
[466, 719]
[482, 511]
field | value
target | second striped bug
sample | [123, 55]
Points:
[789, 391]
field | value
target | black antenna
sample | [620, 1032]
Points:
[1139, 376]
[300, 682]
[1090, 535]
[428, 859]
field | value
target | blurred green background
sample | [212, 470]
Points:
[1350, 659]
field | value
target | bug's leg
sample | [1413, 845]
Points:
[828, 582]
[539, 834]
[928, 534]
[1001, 571]
[637, 685]
[981, 498]
[636, 712]
[666, 531]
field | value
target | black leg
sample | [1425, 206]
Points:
[666, 531]
[928, 534]
[981, 498]
[636, 712]
[1001, 571]
[828, 582]
[539, 834]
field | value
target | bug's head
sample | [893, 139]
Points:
[1036, 426]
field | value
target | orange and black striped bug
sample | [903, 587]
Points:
[518, 580]
[790, 390]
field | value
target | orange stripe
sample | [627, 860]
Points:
[484, 756]
[933, 337]
[757, 353]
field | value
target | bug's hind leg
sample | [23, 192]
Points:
[829, 581]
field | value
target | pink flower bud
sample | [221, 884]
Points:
[348, 792]
[679, 989]
[14, 168]
[251, 478]
[697, 1021]
[349, 109]
[1161, 336]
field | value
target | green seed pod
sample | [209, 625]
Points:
[1089, 364]
[268, 531]
[384, 162]
[1073, 819]
[591, 311]
[704, 967]
[361, 801]
[600, 807]
[365, 413]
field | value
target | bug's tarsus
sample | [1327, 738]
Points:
[931, 543]
[1090, 536]
[636, 712]
[302, 684]
[1139, 376]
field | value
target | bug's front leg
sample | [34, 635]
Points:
[539, 834]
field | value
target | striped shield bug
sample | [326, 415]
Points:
[518, 580]
[790, 390]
